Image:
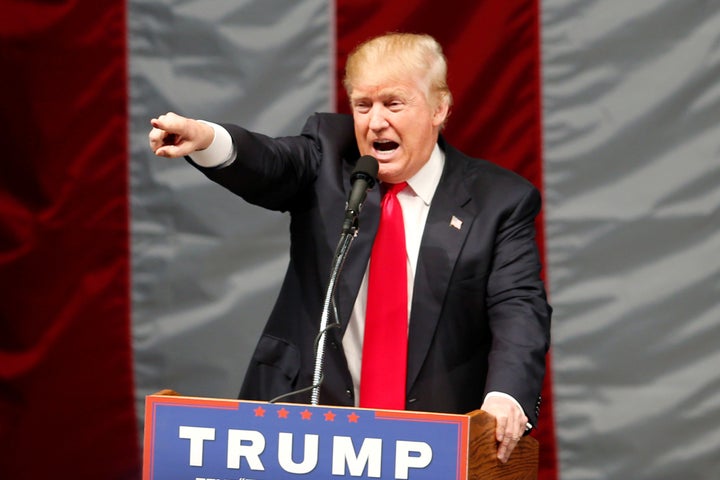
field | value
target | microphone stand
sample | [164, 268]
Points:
[349, 232]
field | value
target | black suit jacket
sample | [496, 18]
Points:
[479, 320]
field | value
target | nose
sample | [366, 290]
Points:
[378, 121]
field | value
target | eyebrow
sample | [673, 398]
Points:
[384, 94]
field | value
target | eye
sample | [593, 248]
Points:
[361, 107]
[394, 105]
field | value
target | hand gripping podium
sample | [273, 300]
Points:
[190, 438]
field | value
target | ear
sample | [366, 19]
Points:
[441, 112]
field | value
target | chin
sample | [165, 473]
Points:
[387, 177]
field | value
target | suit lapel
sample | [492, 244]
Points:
[446, 229]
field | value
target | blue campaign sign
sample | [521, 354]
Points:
[189, 438]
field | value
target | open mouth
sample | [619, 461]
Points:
[385, 146]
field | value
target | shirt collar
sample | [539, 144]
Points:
[425, 182]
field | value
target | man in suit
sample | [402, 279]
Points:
[479, 322]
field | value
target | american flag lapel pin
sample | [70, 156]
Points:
[455, 222]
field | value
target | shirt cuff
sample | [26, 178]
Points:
[220, 152]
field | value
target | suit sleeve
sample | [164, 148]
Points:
[269, 172]
[518, 312]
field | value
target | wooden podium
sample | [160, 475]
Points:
[482, 456]
[215, 439]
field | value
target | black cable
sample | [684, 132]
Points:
[315, 347]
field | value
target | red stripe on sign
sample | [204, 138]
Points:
[493, 55]
[66, 396]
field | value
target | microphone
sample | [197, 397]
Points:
[363, 178]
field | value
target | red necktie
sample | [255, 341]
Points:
[384, 356]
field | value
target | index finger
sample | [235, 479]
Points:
[169, 121]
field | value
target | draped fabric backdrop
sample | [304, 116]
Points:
[122, 274]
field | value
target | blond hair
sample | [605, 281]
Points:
[400, 54]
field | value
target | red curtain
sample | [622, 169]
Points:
[493, 53]
[66, 389]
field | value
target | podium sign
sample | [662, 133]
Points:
[188, 438]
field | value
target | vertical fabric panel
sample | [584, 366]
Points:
[632, 135]
[207, 266]
[66, 390]
[493, 62]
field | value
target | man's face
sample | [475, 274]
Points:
[395, 123]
